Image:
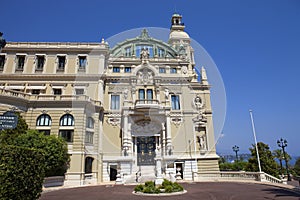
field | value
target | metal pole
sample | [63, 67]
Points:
[253, 129]
[286, 164]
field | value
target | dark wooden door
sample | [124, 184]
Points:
[146, 150]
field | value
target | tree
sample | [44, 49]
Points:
[235, 166]
[278, 154]
[53, 147]
[21, 173]
[297, 167]
[267, 161]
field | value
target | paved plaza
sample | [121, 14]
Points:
[202, 191]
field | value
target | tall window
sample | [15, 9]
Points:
[115, 102]
[139, 50]
[66, 120]
[43, 120]
[82, 62]
[67, 135]
[128, 52]
[88, 165]
[175, 102]
[89, 137]
[40, 61]
[149, 94]
[2, 61]
[90, 122]
[20, 62]
[145, 95]
[141, 94]
[160, 52]
[61, 62]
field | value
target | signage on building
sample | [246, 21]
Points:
[8, 120]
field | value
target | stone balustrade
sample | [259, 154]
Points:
[44, 97]
[239, 175]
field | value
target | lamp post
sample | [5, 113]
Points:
[2, 42]
[236, 149]
[283, 143]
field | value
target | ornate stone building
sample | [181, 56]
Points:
[132, 112]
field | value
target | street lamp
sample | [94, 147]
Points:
[236, 149]
[283, 143]
[2, 42]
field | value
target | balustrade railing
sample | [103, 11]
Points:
[147, 103]
[18, 94]
[242, 175]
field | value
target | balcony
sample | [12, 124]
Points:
[147, 104]
[12, 96]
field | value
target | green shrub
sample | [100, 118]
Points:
[177, 187]
[165, 183]
[167, 187]
[149, 184]
[21, 173]
[139, 188]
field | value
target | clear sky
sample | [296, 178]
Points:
[254, 43]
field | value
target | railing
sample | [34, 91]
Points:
[272, 179]
[146, 103]
[43, 97]
[54, 181]
[244, 176]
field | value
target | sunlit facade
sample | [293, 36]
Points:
[129, 113]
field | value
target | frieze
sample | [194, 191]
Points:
[120, 89]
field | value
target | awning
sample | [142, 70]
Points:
[15, 87]
[57, 86]
[36, 87]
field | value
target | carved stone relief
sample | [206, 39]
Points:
[145, 128]
[145, 76]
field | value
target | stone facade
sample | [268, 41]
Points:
[129, 113]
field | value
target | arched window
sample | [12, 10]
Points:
[66, 120]
[43, 120]
[88, 165]
[90, 122]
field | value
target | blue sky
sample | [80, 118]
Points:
[255, 45]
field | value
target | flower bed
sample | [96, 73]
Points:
[166, 187]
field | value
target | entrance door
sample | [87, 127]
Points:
[113, 172]
[146, 150]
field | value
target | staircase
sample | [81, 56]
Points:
[142, 174]
[147, 173]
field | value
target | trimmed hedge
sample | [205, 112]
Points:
[21, 173]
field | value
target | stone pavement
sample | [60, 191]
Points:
[200, 190]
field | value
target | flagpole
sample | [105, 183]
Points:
[253, 129]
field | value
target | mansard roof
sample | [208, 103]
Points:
[143, 40]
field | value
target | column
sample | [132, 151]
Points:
[100, 91]
[126, 137]
[164, 150]
[169, 139]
